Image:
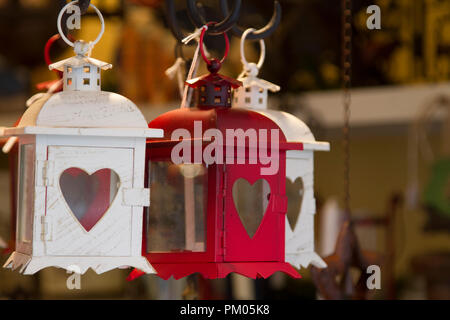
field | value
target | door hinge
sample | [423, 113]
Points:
[46, 228]
[44, 173]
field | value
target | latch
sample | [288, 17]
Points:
[136, 197]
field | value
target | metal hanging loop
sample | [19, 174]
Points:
[202, 51]
[63, 36]
[217, 28]
[259, 34]
[250, 66]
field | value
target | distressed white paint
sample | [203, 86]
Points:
[111, 236]
[96, 132]
[136, 197]
[57, 234]
[90, 109]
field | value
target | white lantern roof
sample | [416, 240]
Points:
[295, 130]
[259, 83]
[84, 109]
[79, 61]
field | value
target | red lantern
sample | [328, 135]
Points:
[215, 207]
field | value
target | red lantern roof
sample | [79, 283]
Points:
[219, 118]
[213, 78]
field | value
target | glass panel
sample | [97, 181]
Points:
[251, 202]
[89, 196]
[176, 217]
[294, 193]
[26, 194]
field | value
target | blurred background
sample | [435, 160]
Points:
[400, 136]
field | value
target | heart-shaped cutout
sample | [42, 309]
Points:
[89, 196]
[251, 202]
[294, 192]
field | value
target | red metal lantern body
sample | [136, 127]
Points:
[224, 245]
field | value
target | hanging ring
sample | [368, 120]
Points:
[202, 51]
[262, 55]
[63, 36]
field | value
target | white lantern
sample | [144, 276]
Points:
[299, 163]
[81, 175]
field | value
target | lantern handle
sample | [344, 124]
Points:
[63, 36]
[250, 66]
[259, 34]
[216, 28]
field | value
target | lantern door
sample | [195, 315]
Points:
[254, 215]
[85, 211]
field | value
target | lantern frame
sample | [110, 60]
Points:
[224, 229]
[90, 130]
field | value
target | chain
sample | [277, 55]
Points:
[346, 84]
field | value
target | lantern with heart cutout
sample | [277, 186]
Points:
[81, 174]
[218, 199]
[299, 163]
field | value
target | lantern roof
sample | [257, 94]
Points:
[260, 83]
[214, 79]
[295, 130]
[214, 118]
[83, 113]
[88, 109]
[79, 61]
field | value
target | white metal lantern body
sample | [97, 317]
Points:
[81, 178]
[299, 190]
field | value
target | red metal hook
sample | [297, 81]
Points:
[227, 45]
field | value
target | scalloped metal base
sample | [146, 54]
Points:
[29, 264]
[219, 270]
